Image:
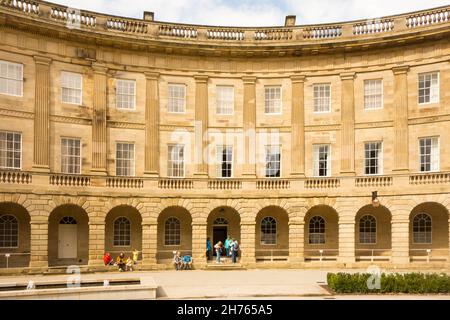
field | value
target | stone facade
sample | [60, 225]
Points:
[104, 49]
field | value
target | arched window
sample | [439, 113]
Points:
[68, 220]
[220, 221]
[268, 231]
[172, 232]
[422, 228]
[122, 232]
[368, 230]
[9, 232]
[317, 230]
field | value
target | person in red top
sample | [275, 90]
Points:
[107, 259]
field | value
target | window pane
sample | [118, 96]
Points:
[10, 150]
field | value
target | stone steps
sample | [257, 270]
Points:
[224, 266]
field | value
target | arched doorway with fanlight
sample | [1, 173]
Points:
[223, 222]
[68, 236]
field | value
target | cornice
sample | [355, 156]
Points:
[16, 114]
[126, 125]
[71, 120]
[325, 127]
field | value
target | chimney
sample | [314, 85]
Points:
[290, 21]
[149, 16]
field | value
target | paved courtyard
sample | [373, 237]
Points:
[239, 284]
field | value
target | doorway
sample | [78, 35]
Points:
[219, 234]
[67, 238]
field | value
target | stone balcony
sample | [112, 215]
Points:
[232, 39]
[291, 187]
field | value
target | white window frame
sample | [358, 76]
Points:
[68, 156]
[316, 99]
[317, 233]
[114, 233]
[266, 156]
[21, 150]
[169, 99]
[368, 232]
[133, 167]
[280, 106]
[261, 232]
[165, 230]
[169, 160]
[9, 79]
[220, 101]
[421, 232]
[133, 101]
[371, 95]
[219, 154]
[433, 161]
[316, 159]
[80, 76]
[436, 88]
[18, 232]
[379, 158]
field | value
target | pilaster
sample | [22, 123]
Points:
[152, 125]
[249, 117]
[149, 244]
[296, 242]
[96, 243]
[39, 243]
[247, 245]
[201, 119]
[348, 124]
[298, 126]
[346, 242]
[199, 244]
[400, 241]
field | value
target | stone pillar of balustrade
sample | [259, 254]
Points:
[400, 238]
[152, 125]
[96, 241]
[298, 126]
[41, 157]
[296, 242]
[346, 239]
[247, 245]
[201, 125]
[99, 124]
[347, 124]
[39, 241]
[249, 117]
[199, 244]
[401, 150]
[149, 245]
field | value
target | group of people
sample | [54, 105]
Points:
[181, 263]
[122, 262]
[230, 249]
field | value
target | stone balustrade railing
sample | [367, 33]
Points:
[430, 178]
[123, 182]
[175, 184]
[377, 181]
[224, 184]
[15, 177]
[150, 29]
[322, 183]
[270, 184]
[70, 180]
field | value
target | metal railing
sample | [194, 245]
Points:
[271, 256]
[7, 256]
[322, 254]
[373, 256]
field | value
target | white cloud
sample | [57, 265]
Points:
[256, 13]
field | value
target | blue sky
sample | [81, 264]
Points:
[254, 13]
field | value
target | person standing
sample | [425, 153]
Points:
[227, 246]
[208, 248]
[234, 250]
[218, 248]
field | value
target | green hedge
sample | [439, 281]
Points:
[412, 283]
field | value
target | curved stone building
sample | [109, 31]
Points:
[318, 145]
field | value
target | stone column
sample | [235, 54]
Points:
[247, 245]
[152, 125]
[347, 124]
[149, 244]
[201, 125]
[296, 241]
[41, 156]
[346, 241]
[401, 152]
[249, 118]
[199, 244]
[96, 242]
[39, 242]
[298, 126]
[400, 240]
[99, 140]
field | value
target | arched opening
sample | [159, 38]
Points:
[174, 233]
[223, 222]
[429, 232]
[272, 234]
[373, 233]
[14, 235]
[123, 231]
[68, 236]
[321, 233]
